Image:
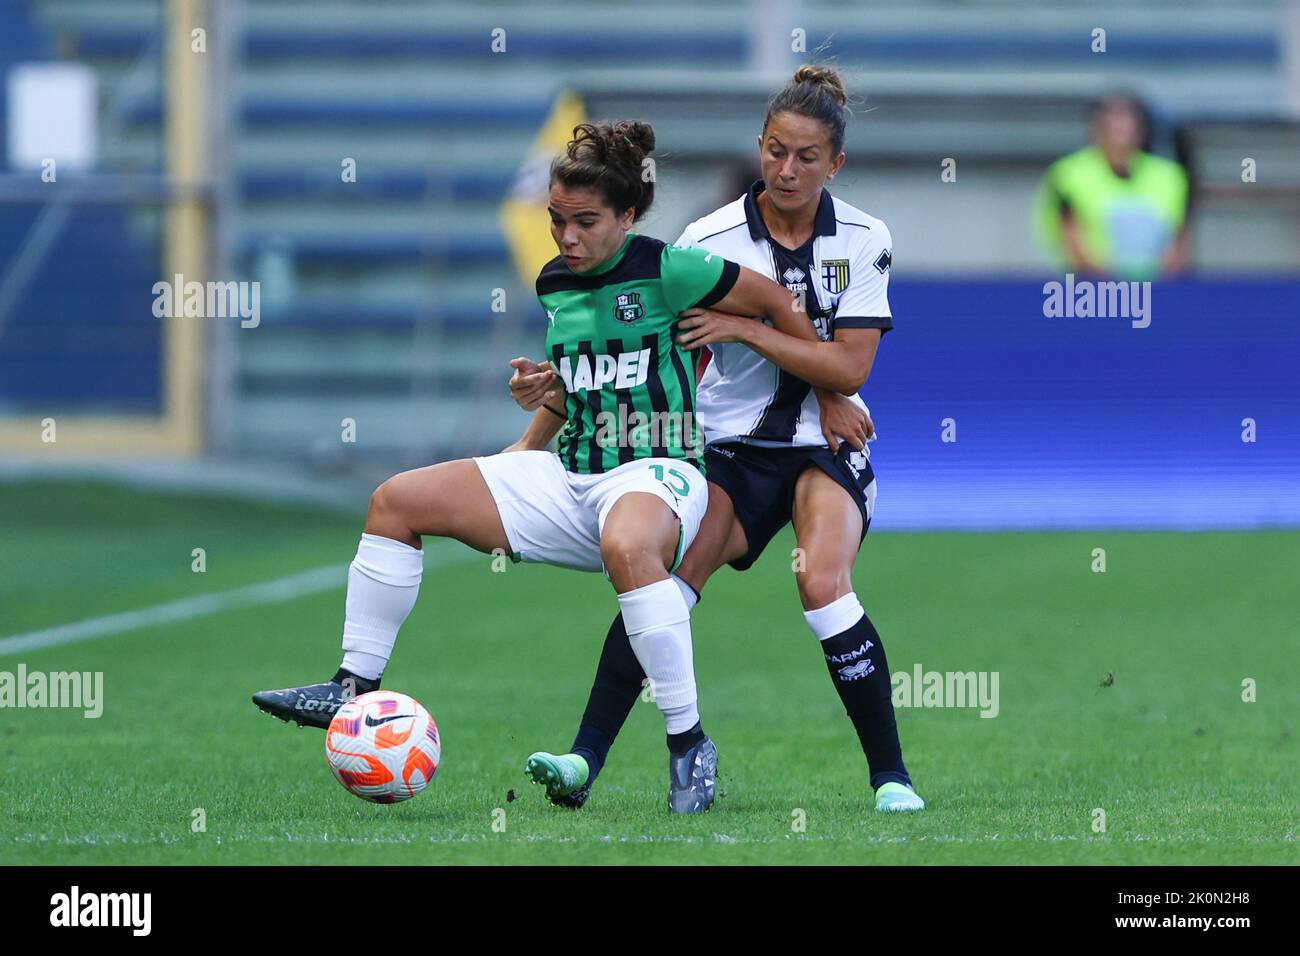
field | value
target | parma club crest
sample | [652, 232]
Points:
[628, 307]
[835, 275]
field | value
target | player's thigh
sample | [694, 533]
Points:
[542, 509]
[637, 524]
[720, 539]
[828, 531]
[449, 499]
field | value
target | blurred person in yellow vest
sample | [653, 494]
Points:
[1112, 207]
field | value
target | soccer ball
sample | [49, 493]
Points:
[383, 746]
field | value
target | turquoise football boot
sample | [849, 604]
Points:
[565, 777]
[897, 798]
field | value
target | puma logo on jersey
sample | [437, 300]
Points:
[628, 370]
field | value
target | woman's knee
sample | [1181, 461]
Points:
[390, 512]
[628, 556]
[388, 497]
[820, 586]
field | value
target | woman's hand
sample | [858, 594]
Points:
[841, 418]
[531, 384]
[699, 327]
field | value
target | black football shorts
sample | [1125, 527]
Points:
[761, 480]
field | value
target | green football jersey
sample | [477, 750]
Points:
[630, 387]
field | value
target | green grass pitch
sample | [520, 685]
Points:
[1184, 769]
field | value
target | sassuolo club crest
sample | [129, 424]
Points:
[628, 307]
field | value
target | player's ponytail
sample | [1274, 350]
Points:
[610, 157]
[816, 92]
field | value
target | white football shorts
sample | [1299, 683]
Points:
[555, 516]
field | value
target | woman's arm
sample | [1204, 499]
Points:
[841, 365]
[530, 386]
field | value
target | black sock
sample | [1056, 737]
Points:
[618, 684]
[856, 660]
[678, 744]
[359, 685]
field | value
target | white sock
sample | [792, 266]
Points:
[688, 593]
[383, 582]
[658, 624]
[836, 617]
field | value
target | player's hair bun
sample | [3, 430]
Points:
[610, 157]
[816, 92]
[824, 77]
[636, 134]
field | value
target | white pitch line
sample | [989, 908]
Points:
[185, 609]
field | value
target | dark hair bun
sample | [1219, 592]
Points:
[818, 93]
[610, 157]
[636, 134]
[824, 77]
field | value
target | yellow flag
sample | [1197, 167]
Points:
[523, 214]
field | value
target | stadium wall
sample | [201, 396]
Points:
[1088, 422]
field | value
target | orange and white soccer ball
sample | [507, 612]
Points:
[383, 746]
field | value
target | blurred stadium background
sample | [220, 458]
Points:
[221, 156]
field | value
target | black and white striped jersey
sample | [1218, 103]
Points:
[843, 272]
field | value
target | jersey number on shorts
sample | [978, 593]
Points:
[681, 492]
